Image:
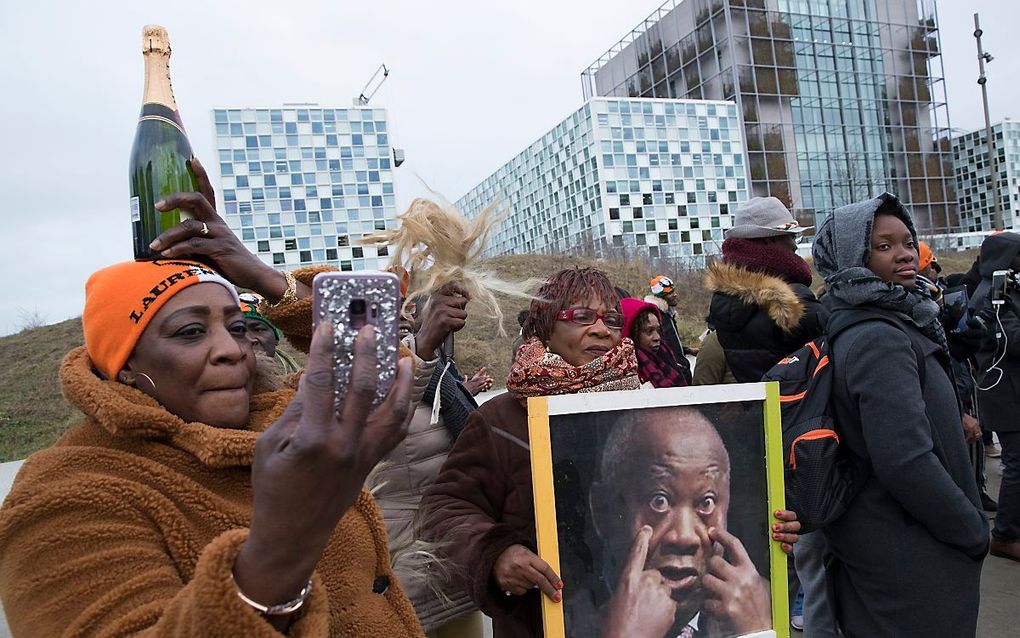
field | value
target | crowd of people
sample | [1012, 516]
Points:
[214, 489]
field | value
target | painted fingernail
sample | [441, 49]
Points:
[778, 512]
[160, 203]
[776, 527]
[558, 597]
[775, 536]
[559, 584]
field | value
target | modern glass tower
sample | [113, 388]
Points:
[300, 183]
[973, 186]
[658, 176]
[839, 99]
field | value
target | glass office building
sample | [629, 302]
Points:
[299, 183]
[657, 176]
[840, 99]
[973, 186]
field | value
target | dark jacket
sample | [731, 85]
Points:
[910, 546]
[759, 318]
[998, 404]
[480, 504]
[671, 334]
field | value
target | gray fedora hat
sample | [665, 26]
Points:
[763, 217]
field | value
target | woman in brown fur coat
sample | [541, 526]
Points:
[188, 502]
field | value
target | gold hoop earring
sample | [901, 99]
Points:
[148, 378]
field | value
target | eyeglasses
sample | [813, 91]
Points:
[587, 317]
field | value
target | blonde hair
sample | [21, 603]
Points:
[439, 247]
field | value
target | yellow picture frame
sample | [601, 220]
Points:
[540, 410]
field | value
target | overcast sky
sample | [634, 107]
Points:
[471, 84]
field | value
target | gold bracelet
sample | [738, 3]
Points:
[290, 296]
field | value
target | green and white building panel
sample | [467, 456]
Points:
[299, 184]
[621, 176]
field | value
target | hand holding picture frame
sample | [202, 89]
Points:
[654, 506]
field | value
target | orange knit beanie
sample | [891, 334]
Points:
[120, 301]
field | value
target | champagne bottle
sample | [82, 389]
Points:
[160, 154]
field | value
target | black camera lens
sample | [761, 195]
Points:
[357, 306]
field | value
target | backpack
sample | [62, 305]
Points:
[822, 477]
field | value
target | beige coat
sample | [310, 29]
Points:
[398, 487]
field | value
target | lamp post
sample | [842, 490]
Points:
[984, 56]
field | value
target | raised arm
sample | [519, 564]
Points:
[78, 558]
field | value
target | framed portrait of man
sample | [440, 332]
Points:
[654, 507]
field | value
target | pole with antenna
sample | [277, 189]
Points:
[984, 56]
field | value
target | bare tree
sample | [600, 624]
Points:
[850, 184]
[30, 319]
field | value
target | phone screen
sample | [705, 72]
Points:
[955, 301]
[999, 284]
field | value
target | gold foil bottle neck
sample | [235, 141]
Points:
[156, 52]
[155, 40]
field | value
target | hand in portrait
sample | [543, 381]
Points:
[738, 600]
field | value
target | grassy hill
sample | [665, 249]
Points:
[33, 414]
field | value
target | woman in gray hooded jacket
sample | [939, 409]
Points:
[908, 551]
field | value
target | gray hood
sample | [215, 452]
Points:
[844, 239]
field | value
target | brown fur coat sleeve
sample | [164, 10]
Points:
[87, 564]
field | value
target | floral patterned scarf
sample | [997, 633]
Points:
[537, 372]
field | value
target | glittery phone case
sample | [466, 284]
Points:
[348, 301]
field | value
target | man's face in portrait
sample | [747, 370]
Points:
[669, 470]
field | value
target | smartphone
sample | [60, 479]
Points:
[954, 304]
[1000, 279]
[349, 301]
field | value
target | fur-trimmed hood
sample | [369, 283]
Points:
[753, 290]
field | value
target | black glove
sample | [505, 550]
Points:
[966, 343]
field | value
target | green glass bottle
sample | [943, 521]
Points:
[160, 154]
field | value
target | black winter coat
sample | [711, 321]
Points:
[760, 318]
[910, 546]
[998, 405]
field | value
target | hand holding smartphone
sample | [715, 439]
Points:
[348, 301]
[955, 301]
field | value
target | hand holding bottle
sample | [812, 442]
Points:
[207, 238]
[158, 164]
